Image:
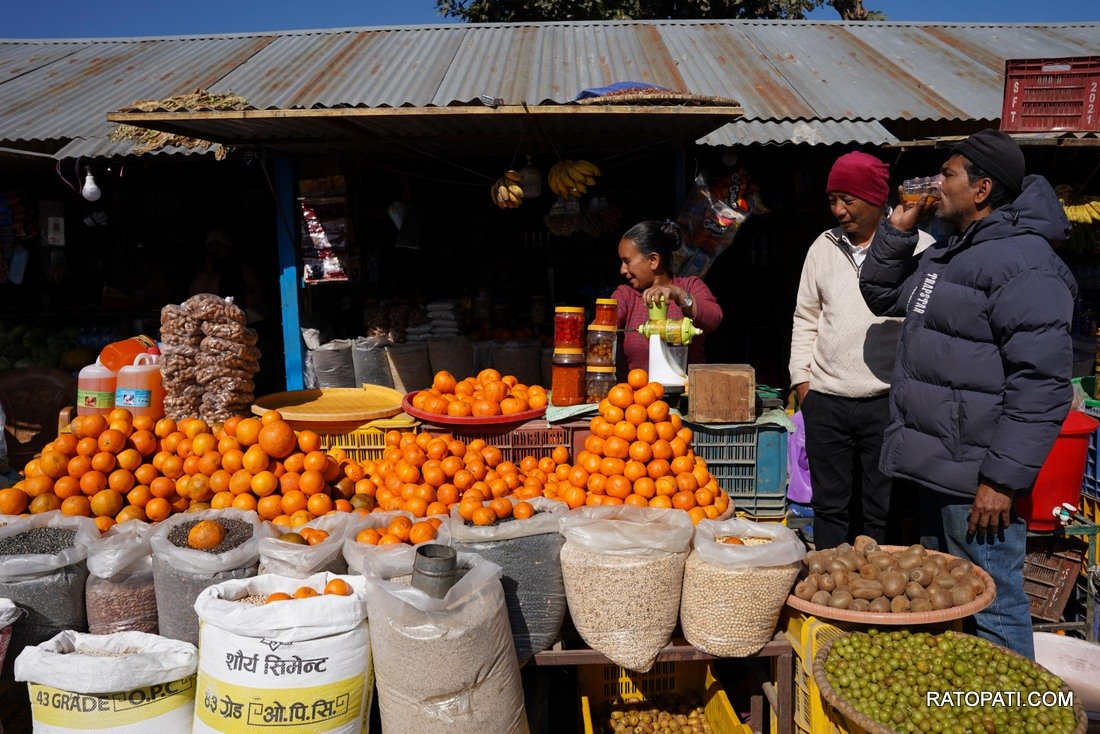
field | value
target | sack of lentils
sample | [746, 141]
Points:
[317, 547]
[445, 666]
[736, 582]
[119, 594]
[43, 570]
[301, 663]
[623, 568]
[527, 551]
[121, 683]
[199, 549]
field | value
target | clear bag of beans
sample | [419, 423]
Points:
[43, 570]
[119, 595]
[527, 552]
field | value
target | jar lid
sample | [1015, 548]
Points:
[600, 327]
[600, 369]
[568, 350]
[606, 302]
[568, 309]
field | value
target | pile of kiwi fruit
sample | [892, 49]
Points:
[862, 577]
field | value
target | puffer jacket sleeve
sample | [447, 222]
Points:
[890, 262]
[1029, 316]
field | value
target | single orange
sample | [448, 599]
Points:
[277, 596]
[303, 592]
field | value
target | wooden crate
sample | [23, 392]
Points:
[721, 393]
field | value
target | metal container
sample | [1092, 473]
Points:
[435, 569]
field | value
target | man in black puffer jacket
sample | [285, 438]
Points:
[981, 382]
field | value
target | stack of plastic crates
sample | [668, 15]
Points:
[365, 443]
[603, 686]
[750, 463]
[807, 635]
[534, 438]
[1090, 485]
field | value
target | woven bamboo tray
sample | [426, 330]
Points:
[864, 723]
[905, 618]
[332, 406]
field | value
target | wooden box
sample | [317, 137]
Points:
[721, 393]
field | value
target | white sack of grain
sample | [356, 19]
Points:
[299, 561]
[122, 683]
[301, 666]
[445, 666]
[623, 568]
[733, 594]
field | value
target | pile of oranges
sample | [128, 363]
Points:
[401, 530]
[488, 394]
[336, 587]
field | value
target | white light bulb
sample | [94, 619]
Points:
[90, 191]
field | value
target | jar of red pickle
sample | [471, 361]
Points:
[569, 327]
[567, 385]
[607, 312]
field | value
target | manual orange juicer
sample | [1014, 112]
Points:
[661, 332]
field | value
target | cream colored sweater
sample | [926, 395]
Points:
[837, 344]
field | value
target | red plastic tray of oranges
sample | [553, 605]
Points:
[451, 420]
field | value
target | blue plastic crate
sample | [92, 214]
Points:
[749, 462]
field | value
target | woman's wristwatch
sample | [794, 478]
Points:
[687, 301]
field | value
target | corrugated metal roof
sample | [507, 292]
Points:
[776, 70]
[805, 132]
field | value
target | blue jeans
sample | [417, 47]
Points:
[1007, 621]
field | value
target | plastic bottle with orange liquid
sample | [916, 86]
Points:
[140, 386]
[117, 355]
[95, 390]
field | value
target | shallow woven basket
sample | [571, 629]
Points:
[937, 616]
[661, 97]
[867, 724]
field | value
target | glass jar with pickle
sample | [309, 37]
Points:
[598, 382]
[607, 312]
[569, 327]
[602, 345]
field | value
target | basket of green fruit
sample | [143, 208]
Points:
[897, 681]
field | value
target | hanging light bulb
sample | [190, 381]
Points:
[90, 191]
[532, 180]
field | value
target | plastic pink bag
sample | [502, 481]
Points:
[798, 464]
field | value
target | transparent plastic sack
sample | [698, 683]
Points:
[303, 665]
[299, 561]
[623, 569]
[119, 594]
[356, 553]
[445, 666]
[733, 594]
[527, 552]
[180, 574]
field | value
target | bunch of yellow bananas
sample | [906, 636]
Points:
[570, 179]
[505, 191]
[1085, 212]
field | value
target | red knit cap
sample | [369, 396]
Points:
[862, 176]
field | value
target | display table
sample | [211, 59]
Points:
[779, 696]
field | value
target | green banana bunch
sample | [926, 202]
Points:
[506, 192]
[571, 179]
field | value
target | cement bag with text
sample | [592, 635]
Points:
[445, 666]
[623, 568]
[733, 592]
[122, 683]
[299, 666]
[180, 574]
[298, 561]
[119, 595]
[47, 585]
[527, 552]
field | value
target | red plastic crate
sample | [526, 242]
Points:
[535, 437]
[1057, 95]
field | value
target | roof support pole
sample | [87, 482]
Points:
[288, 271]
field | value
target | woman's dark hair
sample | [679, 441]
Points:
[651, 236]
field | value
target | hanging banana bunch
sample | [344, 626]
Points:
[571, 179]
[506, 192]
[1079, 210]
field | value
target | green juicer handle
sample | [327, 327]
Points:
[658, 310]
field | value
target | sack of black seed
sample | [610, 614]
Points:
[296, 558]
[180, 573]
[528, 553]
[122, 683]
[43, 570]
[623, 568]
[119, 594]
[298, 665]
[445, 666]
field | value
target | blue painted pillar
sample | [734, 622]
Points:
[287, 214]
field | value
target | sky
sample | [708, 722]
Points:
[103, 18]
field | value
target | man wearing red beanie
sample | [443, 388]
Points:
[842, 357]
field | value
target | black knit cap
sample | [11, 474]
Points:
[997, 154]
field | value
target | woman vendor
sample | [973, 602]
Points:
[646, 255]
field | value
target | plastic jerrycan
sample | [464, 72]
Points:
[117, 355]
[140, 386]
[95, 390]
